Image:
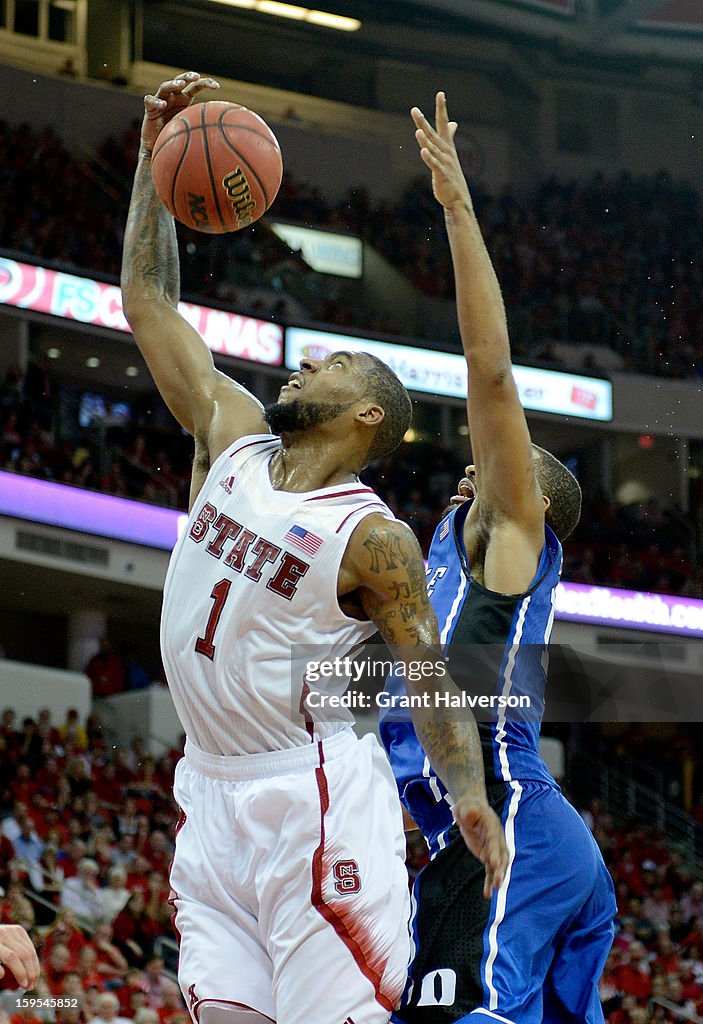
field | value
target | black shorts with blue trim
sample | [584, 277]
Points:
[535, 952]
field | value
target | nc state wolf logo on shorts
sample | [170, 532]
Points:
[346, 877]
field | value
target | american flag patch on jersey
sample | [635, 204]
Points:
[309, 542]
[444, 529]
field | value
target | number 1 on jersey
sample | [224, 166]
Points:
[204, 644]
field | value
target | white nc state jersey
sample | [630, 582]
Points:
[253, 574]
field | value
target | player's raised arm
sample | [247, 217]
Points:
[500, 440]
[203, 400]
[387, 563]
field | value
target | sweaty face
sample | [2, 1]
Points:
[318, 392]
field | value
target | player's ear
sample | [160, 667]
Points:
[547, 502]
[370, 415]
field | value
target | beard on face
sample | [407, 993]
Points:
[289, 417]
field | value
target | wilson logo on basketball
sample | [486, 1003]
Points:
[237, 188]
[198, 213]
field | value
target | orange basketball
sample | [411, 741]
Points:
[217, 167]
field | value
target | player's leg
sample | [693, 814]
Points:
[224, 971]
[499, 974]
[571, 992]
[337, 925]
[450, 917]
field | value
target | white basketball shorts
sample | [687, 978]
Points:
[290, 889]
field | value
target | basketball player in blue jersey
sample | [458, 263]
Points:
[536, 950]
[288, 879]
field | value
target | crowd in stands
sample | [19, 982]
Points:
[86, 837]
[655, 967]
[639, 546]
[87, 833]
[610, 262]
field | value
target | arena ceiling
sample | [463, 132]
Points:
[588, 30]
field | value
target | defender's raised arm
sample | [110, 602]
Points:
[500, 440]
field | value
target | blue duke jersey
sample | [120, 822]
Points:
[498, 639]
[254, 574]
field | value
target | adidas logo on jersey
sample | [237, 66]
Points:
[228, 483]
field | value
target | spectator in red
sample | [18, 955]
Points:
[108, 788]
[65, 932]
[159, 852]
[138, 877]
[133, 994]
[694, 936]
[47, 778]
[23, 787]
[105, 670]
[111, 963]
[667, 959]
[56, 967]
[626, 870]
[135, 930]
[70, 860]
[91, 977]
[25, 1015]
[634, 974]
[172, 1002]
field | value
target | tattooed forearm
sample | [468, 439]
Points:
[395, 598]
[453, 746]
[150, 253]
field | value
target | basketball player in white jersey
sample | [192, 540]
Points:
[289, 883]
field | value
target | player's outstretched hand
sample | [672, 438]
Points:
[17, 954]
[438, 151]
[169, 99]
[483, 834]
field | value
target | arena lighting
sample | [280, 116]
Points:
[280, 10]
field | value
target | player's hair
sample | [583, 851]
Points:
[384, 385]
[562, 488]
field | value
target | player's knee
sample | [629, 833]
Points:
[214, 1011]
